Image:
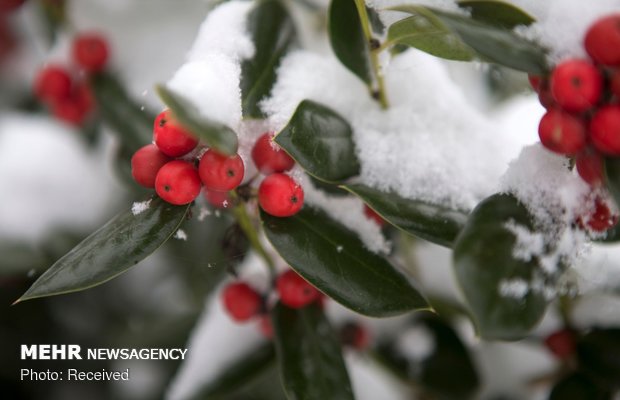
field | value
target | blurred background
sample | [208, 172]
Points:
[59, 181]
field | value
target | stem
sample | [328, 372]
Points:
[374, 54]
[246, 225]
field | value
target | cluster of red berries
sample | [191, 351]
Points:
[169, 166]
[68, 95]
[583, 111]
[243, 302]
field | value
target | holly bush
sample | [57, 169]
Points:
[504, 294]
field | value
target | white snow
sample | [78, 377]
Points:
[514, 288]
[528, 245]
[180, 235]
[416, 343]
[211, 76]
[430, 145]
[50, 179]
[139, 207]
[347, 210]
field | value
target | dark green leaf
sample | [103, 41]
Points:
[237, 374]
[484, 262]
[128, 120]
[491, 43]
[273, 34]
[334, 259]
[117, 246]
[450, 355]
[375, 21]
[434, 223]
[426, 32]
[599, 355]
[347, 38]
[214, 134]
[498, 45]
[429, 373]
[612, 169]
[310, 357]
[321, 142]
[577, 386]
[497, 13]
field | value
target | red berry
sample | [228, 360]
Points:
[601, 219]
[605, 130]
[561, 343]
[279, 195]
[90, 51]
[371, 214]
[546, 98]
[172, 139]
[217, 199]
[178, 182]
[576, 85]
[535, 82]
[602, 41]
[268, 156]
[615, 83]
[241, 301]
[146, 163]
[294, 291]
[355, 335]
[52, 84]
[265, 326]
[562, 133]
[69, 110]
[589, 164]
[7, 6]
[220, 172]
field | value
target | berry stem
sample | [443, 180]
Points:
[241, 214]
[381, 94]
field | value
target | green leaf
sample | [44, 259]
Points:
[450, 354]
[612, 169]
[310, 357]
[577, 386]
[321, 142]
[273, 33]
[117, 246]
[599, 355]
[497, 13]
[491, 43]
[429, 373]
[214, 134]
[133, 125]
[484, 262]
[238, 373]
[347, 38]
[334, 259]
[436, 224]
[426, 32]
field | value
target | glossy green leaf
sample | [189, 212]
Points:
[273, 33]
[599, 355]
[321, 142]
[491, 43]
[348, 40]
[612, 169]
[484, 263]
[497, 13]
[309, 354]
[426, 32]
[117, 246]
[214, 134]
[237, 374]
[436, 224]
[335, 260]
[133, 125]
